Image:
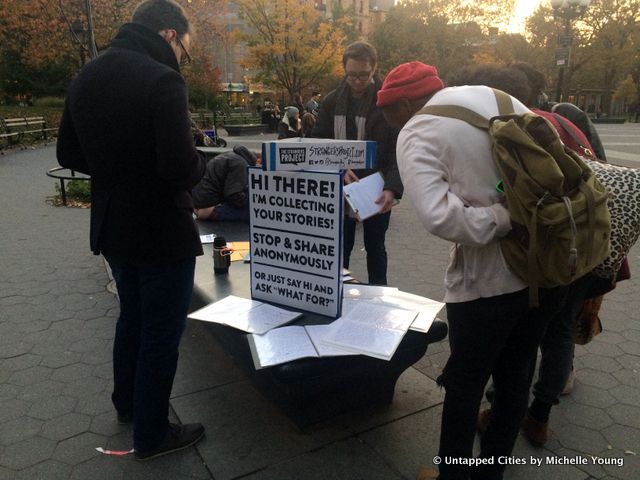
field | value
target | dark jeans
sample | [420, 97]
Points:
[374, 231]
[558, 346]
[154, 301]
[495, 336]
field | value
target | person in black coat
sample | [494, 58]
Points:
[126, 123]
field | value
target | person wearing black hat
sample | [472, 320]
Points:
[221, 195]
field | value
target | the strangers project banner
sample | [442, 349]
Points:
[296, 239]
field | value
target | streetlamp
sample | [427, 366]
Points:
[567, 10]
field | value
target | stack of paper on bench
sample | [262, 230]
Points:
[244, 314]
[369, 328]
[285, 344]
[427, 309]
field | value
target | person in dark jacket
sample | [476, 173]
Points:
[350, 113]
[126, 123]
[289, 126]
[221, 195]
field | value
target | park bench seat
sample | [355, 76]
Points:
[15, 130]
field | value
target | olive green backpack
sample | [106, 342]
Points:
[551, 194]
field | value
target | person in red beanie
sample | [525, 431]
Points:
[450, 178]
[350, 113]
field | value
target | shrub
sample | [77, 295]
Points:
[49, 102]
[79, 190]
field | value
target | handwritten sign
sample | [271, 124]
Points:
[296, 239]
[317, 154]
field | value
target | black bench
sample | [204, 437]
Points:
[308, 390]
[64, 174]
[14, 130]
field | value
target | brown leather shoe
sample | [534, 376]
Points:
[535, 431]
[484, 417]
[427, 473]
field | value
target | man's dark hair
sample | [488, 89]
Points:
[314, 93]
[535, 78]
[509, 80]
[159, 15]
[362, 51]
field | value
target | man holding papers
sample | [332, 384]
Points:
[350, 113]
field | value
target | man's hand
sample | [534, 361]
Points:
[350, 177]
[386, 201]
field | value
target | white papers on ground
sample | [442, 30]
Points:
[362, 195]
[285, 344]
[244, 314]
[372, 329]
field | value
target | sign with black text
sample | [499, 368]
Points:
[318, 154]
[296, 239]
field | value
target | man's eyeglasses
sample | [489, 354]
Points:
[186, 58]
[362, 76]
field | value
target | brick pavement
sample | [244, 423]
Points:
[56, 332]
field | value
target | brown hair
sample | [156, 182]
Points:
[159, 15]
[362, 51]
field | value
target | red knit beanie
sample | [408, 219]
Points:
[410, 80]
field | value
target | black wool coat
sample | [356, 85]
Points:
[126, 123]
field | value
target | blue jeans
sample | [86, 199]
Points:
[154, 301]
[374, 232]
[495, 336]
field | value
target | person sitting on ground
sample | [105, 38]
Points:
[289, 126]
[221, 195]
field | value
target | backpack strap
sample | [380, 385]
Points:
[585, 150]
[505, 104]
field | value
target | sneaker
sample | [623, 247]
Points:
[427, 473]
[178, 437]
[535, 431]
[124, 418]
[568, 388]
[484, 417]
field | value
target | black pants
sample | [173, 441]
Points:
[374, 232]
[496, 336]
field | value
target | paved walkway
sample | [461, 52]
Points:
[56, 331]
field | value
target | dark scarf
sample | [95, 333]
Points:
[133, 36]
[343, 94]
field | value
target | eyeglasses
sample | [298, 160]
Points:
[186, 58]
[362, 76]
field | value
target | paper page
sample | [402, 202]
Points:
[261, 319]
[208, 238]
[362, 195]
[317, 334]
[427, 309]
[225, 308]
[239, 250]
[371, 328]
[280, 345]
[367, 291]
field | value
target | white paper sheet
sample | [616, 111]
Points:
[427, 309]
[370, 328]
[280, 345]
[367, 291]
[244, 314]
[362, 195]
